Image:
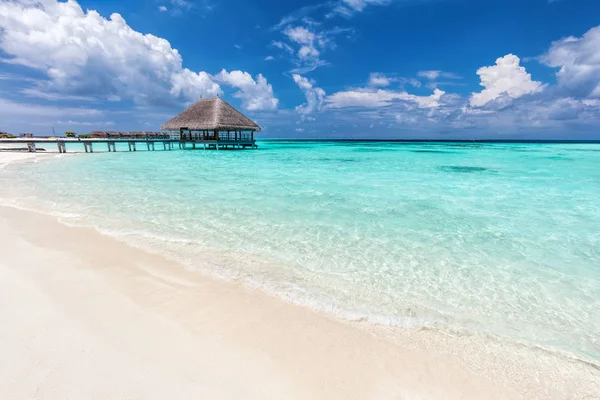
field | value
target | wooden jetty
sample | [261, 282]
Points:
[210, 124]
[89, 144]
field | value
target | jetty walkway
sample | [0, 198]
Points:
[168, 143]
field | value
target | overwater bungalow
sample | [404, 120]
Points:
[213, 123]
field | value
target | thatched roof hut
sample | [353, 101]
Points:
[211, 114]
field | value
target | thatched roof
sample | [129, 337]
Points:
[211, 114]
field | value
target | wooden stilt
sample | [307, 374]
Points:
[88, 147]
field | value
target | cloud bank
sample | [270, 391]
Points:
[84, 54]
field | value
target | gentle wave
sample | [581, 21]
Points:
[287, 291]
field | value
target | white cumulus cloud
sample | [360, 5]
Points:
[256, 94]
[578, 60]
[378, 79]
[309, 43]
[306, 43]
[84, 54]
[508, 78]
[314, 95]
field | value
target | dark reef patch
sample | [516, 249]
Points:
[473, 146]
[343, 160]
[559, 157]
[433, 151]
[373, 150]
[461, 168]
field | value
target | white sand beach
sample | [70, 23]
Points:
[84, 316]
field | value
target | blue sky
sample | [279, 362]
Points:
[340, 69]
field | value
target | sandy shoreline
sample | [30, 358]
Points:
[83, 315]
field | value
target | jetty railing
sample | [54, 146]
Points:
[167, 141]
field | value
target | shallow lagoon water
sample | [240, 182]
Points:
[498, 239]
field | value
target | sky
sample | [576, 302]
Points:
[369, 69]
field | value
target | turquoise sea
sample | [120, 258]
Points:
[494, 239]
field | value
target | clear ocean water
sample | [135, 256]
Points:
[495, 239]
